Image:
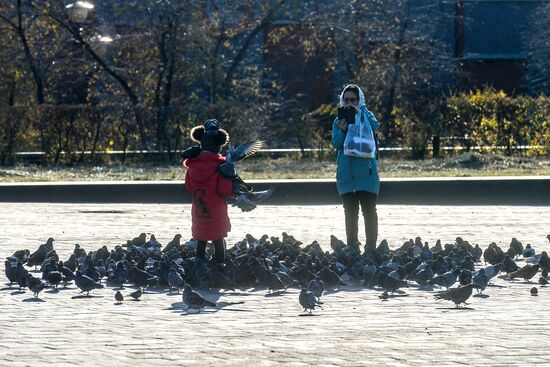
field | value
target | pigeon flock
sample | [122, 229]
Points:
[451, 271]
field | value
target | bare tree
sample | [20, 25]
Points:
[538, 41]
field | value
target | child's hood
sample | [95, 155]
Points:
[203, 167]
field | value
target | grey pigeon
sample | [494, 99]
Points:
[38, 257]
[54, 278]
[244, 198]
[446, 279]
[11, 269]
[528, 251]
[526, 272]
[227, 169]
[493, 270]
[317, 287]
[136, 295]
[247, 200]
[22, 255]
[35, 284]
[174, 244]
[457, 295]
[85, 283]
[175, 280]
[480, 279]
[119, 297]
[308, 300]
[194, 300]
[139, 240]
[242, 151]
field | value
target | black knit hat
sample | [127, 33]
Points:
[210, 136]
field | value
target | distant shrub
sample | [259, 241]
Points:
[494, 119]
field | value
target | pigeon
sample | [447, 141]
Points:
[141, 278]
[526, 272]
[274, 282]
[422, 274]
[457, 295]
[384, 296]
[21, 275]
[38, 257]
[68, 275]
[119, 275]
[247, 200]
[543, 281]
[446, 279]
[308, 300]
[174, 244]
[22, 255]
[175, 280]
[244, 198]
[85, 283]
[119, 297]
[493, 270]
[517, 247]
[465, 277]
[11, 269]
[544, 261]
[317, 287]
[493, 254]
[476, 253]
[509, 265]
[480, 279]
[136, 295]
[528, 251]
[139, 241]
[194, 300]
[241, 152]
[331, 278]
[390, 284]
[34, 284]
[426, 254]
[54, 278]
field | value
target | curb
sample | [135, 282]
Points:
[532, 191]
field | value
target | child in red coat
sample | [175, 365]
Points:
[210, 221]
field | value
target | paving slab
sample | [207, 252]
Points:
[355, 328]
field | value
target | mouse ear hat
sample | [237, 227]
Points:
[209, 135]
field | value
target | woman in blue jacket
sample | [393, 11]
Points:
[357, 177]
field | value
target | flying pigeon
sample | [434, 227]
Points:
[245, 198]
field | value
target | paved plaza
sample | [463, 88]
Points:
[355, 327]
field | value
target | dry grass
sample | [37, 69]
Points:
[465, 165]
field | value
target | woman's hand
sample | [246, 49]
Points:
[342, 125]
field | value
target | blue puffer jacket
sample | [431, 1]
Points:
[355, 173]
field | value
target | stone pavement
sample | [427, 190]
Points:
[508, 328]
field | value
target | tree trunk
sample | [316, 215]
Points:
[390, 103]
[35, 71]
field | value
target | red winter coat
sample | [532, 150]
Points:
[209, 189]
